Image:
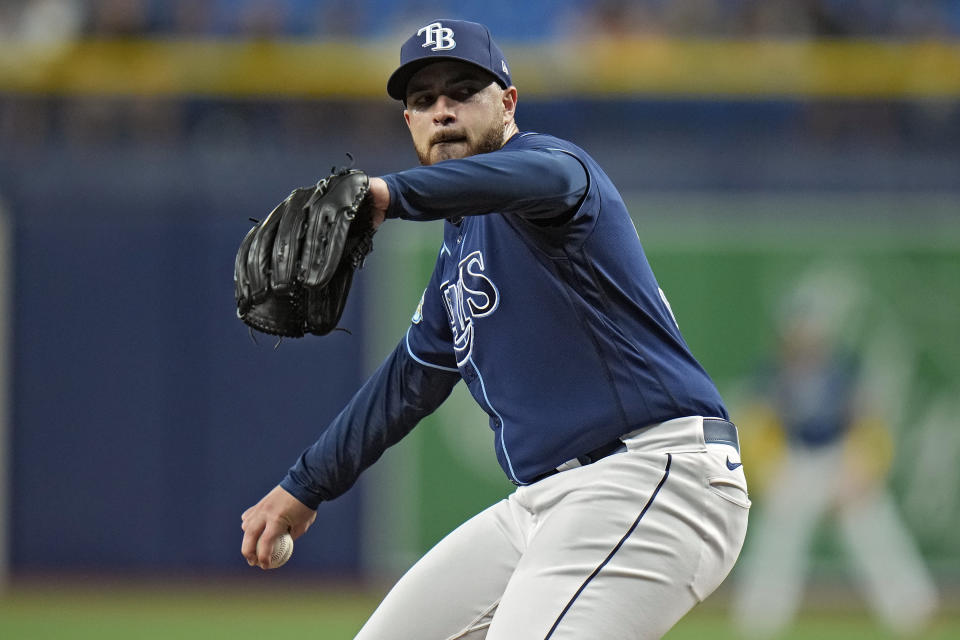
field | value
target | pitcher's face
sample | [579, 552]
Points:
[455, 110]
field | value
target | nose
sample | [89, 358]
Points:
[443, 110]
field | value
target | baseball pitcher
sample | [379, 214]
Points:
[631, 504]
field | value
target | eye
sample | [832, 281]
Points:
[421, 101]
[464, 92]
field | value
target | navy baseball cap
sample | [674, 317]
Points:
[448, 40]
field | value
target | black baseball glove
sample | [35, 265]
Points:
[294, 269]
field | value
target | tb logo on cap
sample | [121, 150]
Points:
[437, 36]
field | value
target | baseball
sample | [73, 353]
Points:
[281, 552]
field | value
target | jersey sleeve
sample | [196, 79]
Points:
[411, 383]
[387, 407]
[537, 183]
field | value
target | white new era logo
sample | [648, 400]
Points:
[437, 36]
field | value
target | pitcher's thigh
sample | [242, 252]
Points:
[625, 567]
[453, 590]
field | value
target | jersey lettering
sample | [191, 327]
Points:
[437, 36]
[472, 296]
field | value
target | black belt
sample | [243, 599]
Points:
[715, 431]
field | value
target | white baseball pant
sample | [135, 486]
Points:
[618, 549]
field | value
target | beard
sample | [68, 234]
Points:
[459, 143]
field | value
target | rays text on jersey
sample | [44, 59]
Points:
[472, 296]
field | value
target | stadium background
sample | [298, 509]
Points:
[755, 141]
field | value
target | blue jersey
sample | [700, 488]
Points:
[814, 403]
[542, 301]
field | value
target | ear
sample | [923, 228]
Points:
[406, 117]
[509, 101]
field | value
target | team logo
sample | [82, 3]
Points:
[437, 36]
[418, 314]
[472, 296]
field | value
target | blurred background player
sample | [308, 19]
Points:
[823, 449]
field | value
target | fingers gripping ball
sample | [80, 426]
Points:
[281, 551]
[294, 269]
